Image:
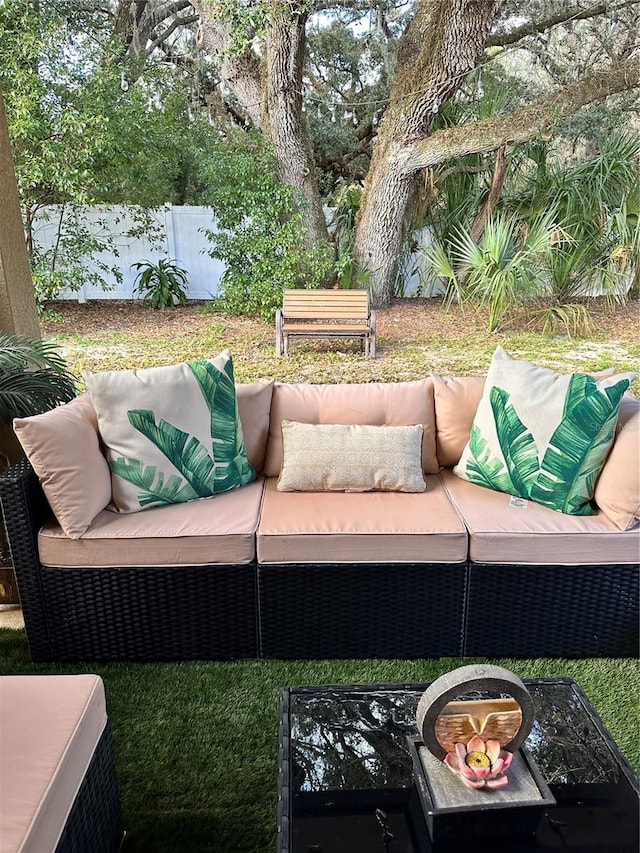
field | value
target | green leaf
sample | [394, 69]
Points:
[219, 391]
[483, 468]
[578, 446]
[186, 453]
[516, 442]
[175, 490]
[33, 377]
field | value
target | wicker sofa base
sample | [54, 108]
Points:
[553, 611]
[151, 613]
[311, 610]
[361, 611]
[95, 821]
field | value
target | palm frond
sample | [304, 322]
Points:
[485, 469]
[186, 453]
[516, 442]
[578, 446]
[20, 351]
[33, 377]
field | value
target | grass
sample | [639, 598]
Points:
[196, 743]
[415, 338]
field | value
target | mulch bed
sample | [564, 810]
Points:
[405, 319]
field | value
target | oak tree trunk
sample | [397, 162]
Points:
[284, 121]
[441, 46]
[269, 88]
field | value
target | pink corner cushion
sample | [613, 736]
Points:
[64, 449]
[254, 407]
[617, 491]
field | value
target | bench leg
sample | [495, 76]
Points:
[279, 347]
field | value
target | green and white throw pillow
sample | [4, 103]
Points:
[171, 434]
[542, 435]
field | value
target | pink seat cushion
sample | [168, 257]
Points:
[360, 527]
[50, 726]
[502, 530]
[214, 530]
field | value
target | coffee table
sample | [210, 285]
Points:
[346, 776]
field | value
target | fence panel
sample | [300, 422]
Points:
[177, 233]
[188, 245]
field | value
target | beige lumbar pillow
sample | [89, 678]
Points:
[351, 458]
[171, 434]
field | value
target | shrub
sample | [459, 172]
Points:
[260, 237]
[161, 283]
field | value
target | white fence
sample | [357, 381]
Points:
[176, 233]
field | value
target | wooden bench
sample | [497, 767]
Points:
[326, 314]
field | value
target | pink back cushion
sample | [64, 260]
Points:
[456, 401]
[64, 449]
[254, 406]
[617, 491]
[375, 403]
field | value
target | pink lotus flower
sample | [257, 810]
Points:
[479, 763]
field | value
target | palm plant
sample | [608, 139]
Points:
[501, 270]
[161, 283]
[33, 377]
[622, 235]
[596, 200]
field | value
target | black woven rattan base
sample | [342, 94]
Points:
[144, 613]
[25, 510]
[94, 824]
[361, 611]
[553, 611]
[152, 614]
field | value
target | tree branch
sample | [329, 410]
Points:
[489, 205]
[176, 23]
[537, 119]
[242, 73]
[532, 28]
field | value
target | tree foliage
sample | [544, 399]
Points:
[258, 232]
[82, 134]
[391, 94]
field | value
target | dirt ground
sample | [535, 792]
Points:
[405, 319]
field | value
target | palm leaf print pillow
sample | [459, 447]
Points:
[541, 435]
[171, 434]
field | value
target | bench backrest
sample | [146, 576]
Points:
[326, 304]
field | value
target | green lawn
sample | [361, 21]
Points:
[196, 743]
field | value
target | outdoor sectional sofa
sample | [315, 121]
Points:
[454, 570]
